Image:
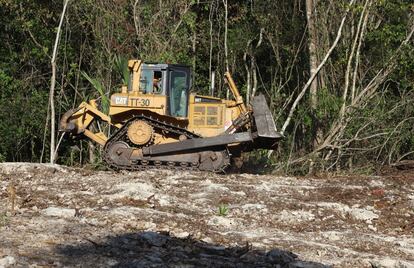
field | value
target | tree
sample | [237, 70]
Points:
[52, 87]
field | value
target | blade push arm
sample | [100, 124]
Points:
[77, 121]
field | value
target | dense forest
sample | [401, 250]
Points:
[338, 75]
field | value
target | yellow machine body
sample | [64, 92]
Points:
[155, 108]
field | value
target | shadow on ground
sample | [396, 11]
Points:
[152, 249]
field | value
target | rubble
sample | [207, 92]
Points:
[78, 217]
[59, 212]
[7, 261]
[390, 263]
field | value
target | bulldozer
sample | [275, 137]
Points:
[157, 121]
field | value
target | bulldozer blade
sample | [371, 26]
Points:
[267, 134]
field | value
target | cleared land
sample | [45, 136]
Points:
[78, 217]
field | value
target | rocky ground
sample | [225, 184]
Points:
[78, 217]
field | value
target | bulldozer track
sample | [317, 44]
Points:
[141, 165]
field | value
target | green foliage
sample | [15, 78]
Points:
[121, 65]
[258, 162]
[4, 220]
[21, 131]
[97, 33]
[328, 105]
[223, 210]
[101, 90]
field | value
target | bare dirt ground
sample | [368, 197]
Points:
[83, 218]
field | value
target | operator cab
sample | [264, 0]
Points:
[170, 80]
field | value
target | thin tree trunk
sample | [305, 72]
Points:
[248, 79]
[358, 35]
[91, 151]
[45, 133]
[212, 83]
[210, 19]
[226, 52]
[52, 87]
[225, 41]
[313, 65]
[254, 76]
[358, 53]
[194, 47]
[313, 59]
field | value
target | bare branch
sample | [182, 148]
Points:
[307, 85]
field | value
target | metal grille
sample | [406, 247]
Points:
[208, 115]
[212, 110]
[199, 121]
[212, 121]
[199, 115]
[200, 110]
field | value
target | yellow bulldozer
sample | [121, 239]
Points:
[157, 122]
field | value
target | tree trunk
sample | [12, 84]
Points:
[313, 65]
[313, 58]
[225, 35]
[52, 87]
[254, 76]
[248, 85]
[225, 41]
[194, 47]
[91, 151]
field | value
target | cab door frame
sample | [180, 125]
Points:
[180, 69]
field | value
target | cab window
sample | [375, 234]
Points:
[151, 81]
[179, 83]
[157, 82]
[146, 81]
